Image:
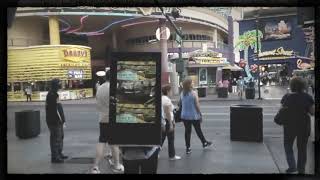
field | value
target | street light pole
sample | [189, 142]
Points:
[258, 49]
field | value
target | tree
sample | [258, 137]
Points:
[246, 40]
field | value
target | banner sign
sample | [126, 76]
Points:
[135, 117]
[279, 53]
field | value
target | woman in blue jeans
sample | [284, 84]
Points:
[298, 125]
[191, 115]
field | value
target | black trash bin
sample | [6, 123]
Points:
[246, 123]
[222, 92]
[202, 92]
[250, 93]
[27, 124]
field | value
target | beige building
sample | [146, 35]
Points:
[107, 30]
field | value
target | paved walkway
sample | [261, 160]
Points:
[267, 93]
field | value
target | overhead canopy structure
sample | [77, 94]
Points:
[233, 67]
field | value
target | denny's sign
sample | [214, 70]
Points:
[76, 55]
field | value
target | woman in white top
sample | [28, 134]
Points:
[168, 121]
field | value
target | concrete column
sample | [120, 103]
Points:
[230, 40]
[174, 80]
[114, 41]
[235, 39]
[218, 75]
[215, 37]
[164, 52]
[54, 30]
[12, 86]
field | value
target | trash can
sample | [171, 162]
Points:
[202, 92]
[250, 93]
[246, 123]
[222, 92]
[27, 124]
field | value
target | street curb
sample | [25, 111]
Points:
[173, 100]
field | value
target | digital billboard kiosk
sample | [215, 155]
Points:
[135, 99]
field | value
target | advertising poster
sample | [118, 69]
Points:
[202, 76]
[135, 107]
[277, 30]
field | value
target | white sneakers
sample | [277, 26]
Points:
[175, 158]
[95, 170]
[119, 169]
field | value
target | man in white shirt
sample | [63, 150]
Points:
[102, 98]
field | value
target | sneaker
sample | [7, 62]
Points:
[110, 162]
[119, 169]
[62, 156]
[95, 170]
[291, 170]
[207, 144]
[57, 160]
[188, 151]
[175, 158]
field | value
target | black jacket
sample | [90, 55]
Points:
[54, 110]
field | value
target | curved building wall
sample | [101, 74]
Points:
[28, 31]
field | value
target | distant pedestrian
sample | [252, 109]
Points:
[300, 106]
[169, 123]
[102, 98]
[225, 83]
[240, 83]
[234, 85]
[28, 92]
[56, 122]
[191, 114]
[220, 85]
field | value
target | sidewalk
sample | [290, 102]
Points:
[32, 156]
[267, 93]
[225, 157]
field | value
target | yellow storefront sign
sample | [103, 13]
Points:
[76, 55]
[210, 60]
[43, 63]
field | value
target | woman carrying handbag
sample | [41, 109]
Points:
[296, 123]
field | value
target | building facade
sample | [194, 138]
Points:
[107, 30]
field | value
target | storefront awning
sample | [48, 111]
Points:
[206, 65]
[233, 68]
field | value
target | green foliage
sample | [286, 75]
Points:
[249, 39]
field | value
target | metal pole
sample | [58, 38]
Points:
[258, 60]
[164, 52]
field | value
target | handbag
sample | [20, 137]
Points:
[177, 112]
[282, 116]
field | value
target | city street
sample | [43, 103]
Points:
[81, 135]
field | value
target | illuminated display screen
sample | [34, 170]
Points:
[135, 85]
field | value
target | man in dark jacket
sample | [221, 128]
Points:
[55, 121]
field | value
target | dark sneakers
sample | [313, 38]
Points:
[62, 156]
[207, 144]
[188, 150]
[57, 160]
[291, 170]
